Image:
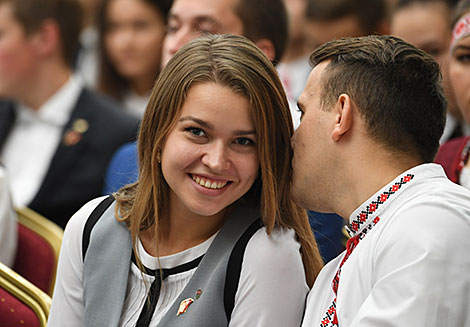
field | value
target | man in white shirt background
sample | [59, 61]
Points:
[373, 111]
[56, 137]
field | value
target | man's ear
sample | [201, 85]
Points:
[267, 47]
[344, 114]
[47, 38]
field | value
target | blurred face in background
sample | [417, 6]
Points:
[297, 19]
[133, 38]
[322, 31]
[427, 26]
[18, 54]
[459, 72]
[189, 19]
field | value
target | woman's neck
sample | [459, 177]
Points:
[180, 232]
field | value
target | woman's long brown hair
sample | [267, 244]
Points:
[235, 62]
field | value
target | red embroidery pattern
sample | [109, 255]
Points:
[330, 315]
[362, 217]
[331, 318]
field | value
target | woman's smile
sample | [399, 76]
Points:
[208, 182]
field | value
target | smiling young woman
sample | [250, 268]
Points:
[210, 223]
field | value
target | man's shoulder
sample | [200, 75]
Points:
[99, 104]
[436, 205]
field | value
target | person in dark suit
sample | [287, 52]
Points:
[56, 136]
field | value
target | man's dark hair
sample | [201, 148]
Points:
[265, 19]
[396, 87]
[369, 13]
[68, 14]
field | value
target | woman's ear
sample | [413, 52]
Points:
[343, 116]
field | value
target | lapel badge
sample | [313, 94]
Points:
[198, 294]
[74, 135]
[184, 305]
[80, 125]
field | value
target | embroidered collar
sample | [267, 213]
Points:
[367, 215]
[361, 219]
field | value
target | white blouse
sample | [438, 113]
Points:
[271, 292]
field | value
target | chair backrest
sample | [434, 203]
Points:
[21, 303]
[39, 241]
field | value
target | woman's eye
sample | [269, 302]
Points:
[244, 141]
[195, 131]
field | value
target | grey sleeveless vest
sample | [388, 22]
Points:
[107, 260]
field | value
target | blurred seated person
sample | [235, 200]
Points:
[454, 154]
[8, 223]
[66, 133]
[131, 35]
[427, 25]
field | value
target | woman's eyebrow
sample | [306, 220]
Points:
[197, 120]
[211, 127]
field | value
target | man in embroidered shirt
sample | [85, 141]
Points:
[56, 138]
[372, 114]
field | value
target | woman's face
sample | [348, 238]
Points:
[427, 26]
[459, 72]
[133, 38]
[210, 158]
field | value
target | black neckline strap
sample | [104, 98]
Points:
[234, 267]
[154, 292]
[170, 271]
[92, 220]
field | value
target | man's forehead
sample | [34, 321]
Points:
[314, 83]
[316, 75]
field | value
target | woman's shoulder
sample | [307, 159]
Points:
[281, 246]
[80, 217]
[75, 226]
